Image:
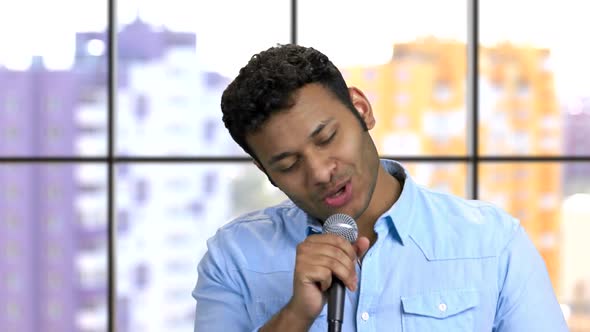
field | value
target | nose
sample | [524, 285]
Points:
[320, 169]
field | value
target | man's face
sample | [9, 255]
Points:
[318, 154]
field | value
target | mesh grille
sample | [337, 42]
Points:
[342, 225]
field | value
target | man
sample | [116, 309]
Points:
[424, 261]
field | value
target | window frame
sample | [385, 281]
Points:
[472, 159]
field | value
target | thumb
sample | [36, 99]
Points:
[361, 246]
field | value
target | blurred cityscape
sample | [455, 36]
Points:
[419, 100]
[162, 215]
[53, 257]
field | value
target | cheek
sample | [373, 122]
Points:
[293, 189]
[355, 145]
[366, 162]
[356, 153]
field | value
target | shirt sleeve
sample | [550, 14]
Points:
[527, 301]
[220, 304]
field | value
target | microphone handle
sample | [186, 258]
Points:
[334, 326]
[336, 295]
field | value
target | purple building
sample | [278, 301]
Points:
[19, 256]
[136, 42]
[577, 143]
[41, 236]
[37, 215]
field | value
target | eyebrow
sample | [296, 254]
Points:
[320, 127]
[314, 133]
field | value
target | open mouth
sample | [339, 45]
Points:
[341, 197]
[339, 192]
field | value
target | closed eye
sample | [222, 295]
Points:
[328, 140]
[288, 169]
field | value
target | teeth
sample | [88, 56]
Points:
[340, 192]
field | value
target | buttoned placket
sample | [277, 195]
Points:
[366, 291]
[369, 290]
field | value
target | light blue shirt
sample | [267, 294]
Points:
[440, 263]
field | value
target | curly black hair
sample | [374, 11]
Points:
[267, 83]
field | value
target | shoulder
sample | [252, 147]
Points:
[453, 227]
[260, 222]
[255, 236]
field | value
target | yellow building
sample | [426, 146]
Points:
[419, 101]
[520, 116]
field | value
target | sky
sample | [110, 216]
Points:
[351, 32]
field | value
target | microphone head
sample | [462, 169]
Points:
[343, 225]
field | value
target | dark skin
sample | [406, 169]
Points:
[314, 152]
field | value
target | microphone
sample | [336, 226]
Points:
[342, 225]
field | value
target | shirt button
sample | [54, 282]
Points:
[442, 307]
[365, 315]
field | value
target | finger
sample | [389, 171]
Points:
[326, 249]
[334, 240]
[361, 246]
[343, 270]
[326, 283]
[317, 275]
[311, 251]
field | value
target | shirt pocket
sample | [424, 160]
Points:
[447, 310]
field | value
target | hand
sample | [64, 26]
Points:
[319, 258]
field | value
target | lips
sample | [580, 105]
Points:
[340, 196]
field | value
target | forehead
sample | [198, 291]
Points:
[312, 95]
[312, 105]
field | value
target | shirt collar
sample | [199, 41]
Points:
[313, 226]
[398, 216]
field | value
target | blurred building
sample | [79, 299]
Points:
[168, 105]
[520, 116]
[53, 244]
[419, 101]
[576, 143]
[43, 235]
[575, 277]
[575, 225]
[53, 256]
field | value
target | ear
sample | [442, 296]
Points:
[362, 105]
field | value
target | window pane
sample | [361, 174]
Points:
[165, 213]
[552, 201]
[449, 178]
[175, 60]
[534, 95]
[53, 256]
[408, 59]
[52, 78]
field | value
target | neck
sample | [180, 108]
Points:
[386, 193]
